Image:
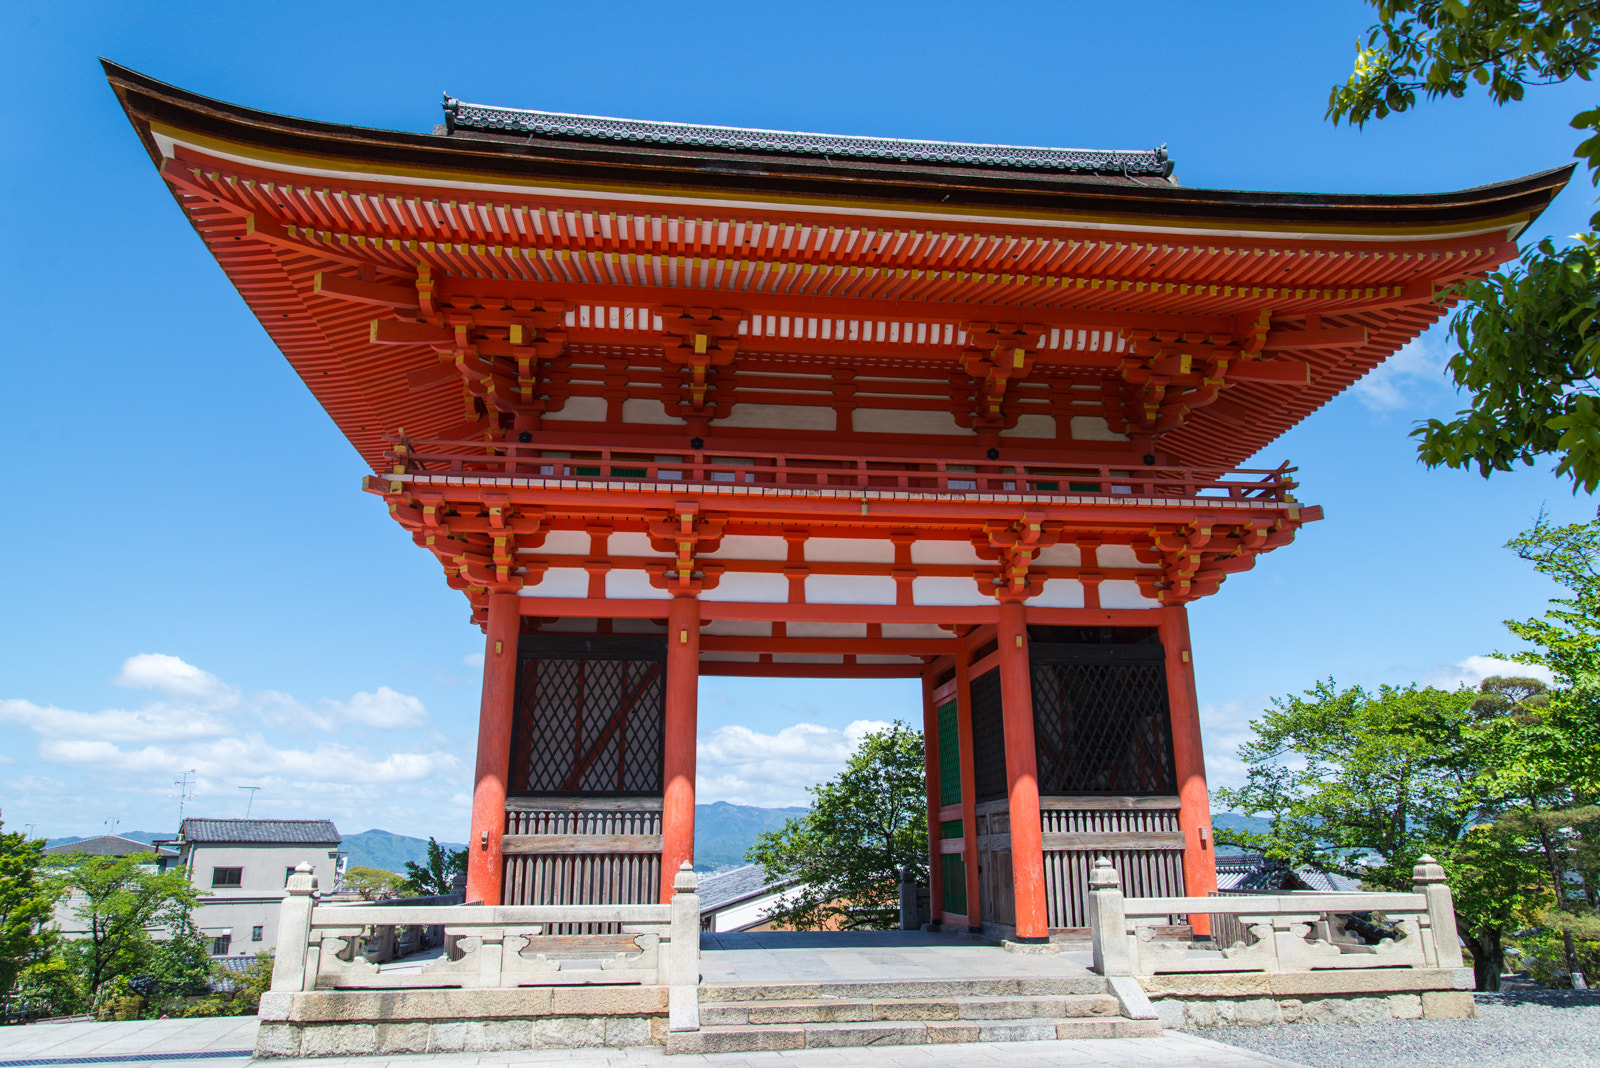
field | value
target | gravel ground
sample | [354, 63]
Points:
[1540, 1029]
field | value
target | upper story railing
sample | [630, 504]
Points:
[810, 471]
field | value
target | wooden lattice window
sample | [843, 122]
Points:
[1101, 721]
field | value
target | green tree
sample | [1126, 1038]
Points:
[1530, 356]
[437, 875]
[26, 903]
[123, 904]
[372, 884]
[845, 855]
[1365, 783]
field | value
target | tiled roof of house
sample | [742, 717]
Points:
[108, 845]
[262, 832]
[721, 889]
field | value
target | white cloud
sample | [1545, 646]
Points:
[172, 676]
[154, 721]
[1412, 376]
[747, 767]
[474, 660]
[385, 709]
[1474, 669]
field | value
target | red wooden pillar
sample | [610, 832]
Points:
[1016, 708]
[677, 762]
[930, 774]
[969, 788]
[485, 872]
[1188, 758]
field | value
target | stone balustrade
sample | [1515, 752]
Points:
[1290, 931]
[321, 947]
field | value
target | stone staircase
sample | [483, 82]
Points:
[745, 1017]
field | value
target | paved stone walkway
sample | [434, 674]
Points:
[861, 956]
[174, 1043]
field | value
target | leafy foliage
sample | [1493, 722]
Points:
[845, 855]
[26, 901]
[1528, 358]
[372, 884]
[438, 874]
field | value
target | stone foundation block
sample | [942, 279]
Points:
[1170, 1011]
[1293, 1010]
[627, 1031]
[940, 1031]
[867, 1034]
[1201, 1013]
[1405, 1006]
[504, 1034]
[916, 1010]
[401, 1038]
[277, 1040]
[568, 1032]
[1025, 1030]
[1448, 1005]
[609, 1000]
[1249, 1012]
[334, 1040]
[1348, 1010]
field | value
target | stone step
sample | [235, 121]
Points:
[861, 1010]
[872, 990]
[753, 1038]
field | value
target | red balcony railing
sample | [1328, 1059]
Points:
[802, 471]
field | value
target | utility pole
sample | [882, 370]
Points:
[252, 800]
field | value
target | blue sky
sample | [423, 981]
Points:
[192, 579]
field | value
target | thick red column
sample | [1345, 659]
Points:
[969, 789]
[930, 776]
[485, 872]
[677, 762]
[1188, 759]
[1016, 705]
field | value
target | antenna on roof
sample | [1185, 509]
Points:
[111, 824]
[185, 785]
[252, 800]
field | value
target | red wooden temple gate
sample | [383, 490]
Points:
[670, 400]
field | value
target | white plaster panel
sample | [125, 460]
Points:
[732, 658]
[1059, 555]
[625, 584]
[747, 586]
[807, 658]
[560, 582]
[1120, 556]
[905, 421]
[648, 410]
[915, 630]
[563, 543]
[851, 550]
[570, 625]
[1093, 428]
[748, 628]
[807, 629]
[779, 417]
[580, 409]
[632, 543]
[944, 552]
[1059, 593]
[947, 592]
[749, 547]
[886, 658]
[1032, 426]
[850, 589]
[1124, 593]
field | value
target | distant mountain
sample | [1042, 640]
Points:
[722, 832]
[1232, 821]
[387, 850]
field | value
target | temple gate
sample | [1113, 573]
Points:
[670, 400]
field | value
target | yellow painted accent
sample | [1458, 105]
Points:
[683, 637]
[699, 344]
[1019, 641]
[499, 647]
[1185, 655]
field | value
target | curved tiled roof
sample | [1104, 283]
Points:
[286, 832]
[461, 115]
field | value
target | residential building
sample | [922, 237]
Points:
[105, 845]
[242, 866]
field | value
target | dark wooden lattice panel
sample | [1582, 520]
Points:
[588, 725]
[988, 739]
[1101, 722]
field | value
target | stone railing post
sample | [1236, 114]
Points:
[909, 920]
[1108, 924]
[294, 932]
[1428, 880]
[683, 956]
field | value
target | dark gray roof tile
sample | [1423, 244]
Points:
[271, 832]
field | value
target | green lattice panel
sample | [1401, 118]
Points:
[949, 756]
